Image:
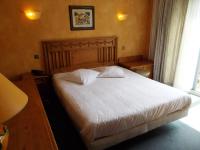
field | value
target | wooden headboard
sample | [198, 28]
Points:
[70, 54]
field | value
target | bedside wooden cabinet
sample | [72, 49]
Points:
[141, 66]
[40, 79]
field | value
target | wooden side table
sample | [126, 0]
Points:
[143, 67]
[40, 79]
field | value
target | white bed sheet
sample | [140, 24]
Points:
[112, 105]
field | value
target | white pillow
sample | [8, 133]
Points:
[81, 76]
[111, 72]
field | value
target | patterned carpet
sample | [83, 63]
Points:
[179, 135]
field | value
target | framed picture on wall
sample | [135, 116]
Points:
[82, 17]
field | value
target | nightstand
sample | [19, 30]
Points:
[143, 67]
[41, 79]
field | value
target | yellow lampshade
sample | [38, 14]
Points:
[121, 16]
[12, 99]
[32, 14]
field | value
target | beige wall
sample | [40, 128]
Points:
[20, 38]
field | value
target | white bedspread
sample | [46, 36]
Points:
[111, 105]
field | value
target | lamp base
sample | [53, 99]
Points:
[3, 137]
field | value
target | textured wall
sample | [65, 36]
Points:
[20, 38]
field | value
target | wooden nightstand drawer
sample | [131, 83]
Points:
[133, 68]
[143, 67]
[149, 68]
[41, 79]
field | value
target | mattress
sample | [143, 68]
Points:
[112, 105]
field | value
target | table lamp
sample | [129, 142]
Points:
[12, 101]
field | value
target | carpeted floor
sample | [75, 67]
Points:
[174, 136]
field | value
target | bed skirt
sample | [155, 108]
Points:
[108, 141]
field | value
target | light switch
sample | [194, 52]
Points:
[36, 56]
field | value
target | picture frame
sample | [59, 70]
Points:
[82, 17]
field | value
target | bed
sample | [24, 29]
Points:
[110, 110]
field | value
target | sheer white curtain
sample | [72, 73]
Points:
[174, 39]
[162, 11]
[167, 27]
[189, 50]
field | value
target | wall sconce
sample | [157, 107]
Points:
[121, 16]
[32, 14]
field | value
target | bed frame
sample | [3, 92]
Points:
[67, 55]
